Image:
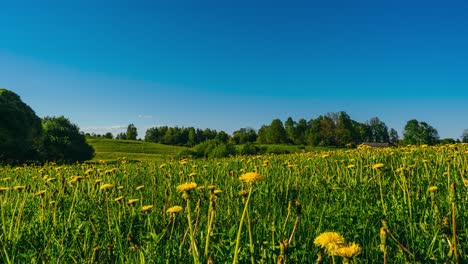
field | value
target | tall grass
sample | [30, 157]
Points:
[66, 214]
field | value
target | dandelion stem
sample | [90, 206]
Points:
[239, 231]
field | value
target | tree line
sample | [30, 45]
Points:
[26, 137]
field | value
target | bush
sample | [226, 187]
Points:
[249, 149]
[20, 129]
[63, 142]
[213, 148]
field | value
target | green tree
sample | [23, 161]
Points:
[244, 135]
[20, 129]
[132, 132]
[417, 133]
[393, 137]
[378, 130]
[63, 142]
[465, 136]
[108, 135]
[276, 133]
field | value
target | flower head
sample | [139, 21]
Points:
[132, 201]
[40, 193]
[146, 208]
[378, 166]
[329, 240]
[186, 187]
[250, 177]
[174, 209]
[432, 188]
[347, 251]
[140, 187]
[106, 186]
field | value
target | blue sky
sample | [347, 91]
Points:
[232, 64]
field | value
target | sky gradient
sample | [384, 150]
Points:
[232, 64]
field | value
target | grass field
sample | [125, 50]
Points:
[109, 149]
[405, 205]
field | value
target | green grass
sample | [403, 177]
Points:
[111, 149]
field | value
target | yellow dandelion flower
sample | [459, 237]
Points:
[132, 201]
[76, 179]
[347, 251]
[244, 193]
[7, 179]
[350, 166]
[120, 187]
[432, 188]
[88, 171]
[250, 177]
[40, 193]
[118, 198]
[140, 187]
[50, 179]
[174, 209]
[19, 187]
[52, 202]
[4, 189]
[186, 187]
[162, 166]
[97, 181]
[183, 162]
[146, 208]
[194, 166]
[193, 174]
[378, 166]
[329, 240]
[106, 186]
[211, 187]
[216, 192]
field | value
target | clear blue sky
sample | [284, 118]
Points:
[232, 64]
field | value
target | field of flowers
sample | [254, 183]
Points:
[392, 205]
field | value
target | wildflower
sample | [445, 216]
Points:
[106, 186]
[140, 187]
[193, 174]
[50, 179]
[76, 179]
[3, 189]
[146, 208]
[211, 187]
[432, 188]
[350, 166]
[120, 187]
[19, 187]
[118, 198]
[186, 187]
[88, 171]
[250, 177]
[174, 209]
[329, 240]
[132, 201]
[378, 166]
[162, 166]
[40, 193]
[244, 193]
[183, 162]
[97, 181]
[347, 251]
[216, 192]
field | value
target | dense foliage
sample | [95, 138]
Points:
[192, 210]
[63, 142]
[20, 129]
[25, 138]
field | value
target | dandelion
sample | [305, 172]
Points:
[120, 187]
[350, 166]
[432, 188]
[329, 240]
[4, 189]
[40, 193]
[50, 179]
[162, 166]
[174, 209]
[146, 208]
[378, 166]
[19, 187]
[132, 201]
[118, 198]
[186, 187]
[216, 192]
[140, 187]
[193, 174]
[250, 177]
[88, 171]
[244, 193]
[348, 251]
[106, 186]
[183, 162]
[211, 187]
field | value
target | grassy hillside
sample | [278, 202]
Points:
[110, 149]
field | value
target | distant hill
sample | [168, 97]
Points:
[112, 149]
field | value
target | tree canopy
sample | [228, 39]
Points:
[20, 129]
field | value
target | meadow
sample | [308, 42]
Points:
[392, 205]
